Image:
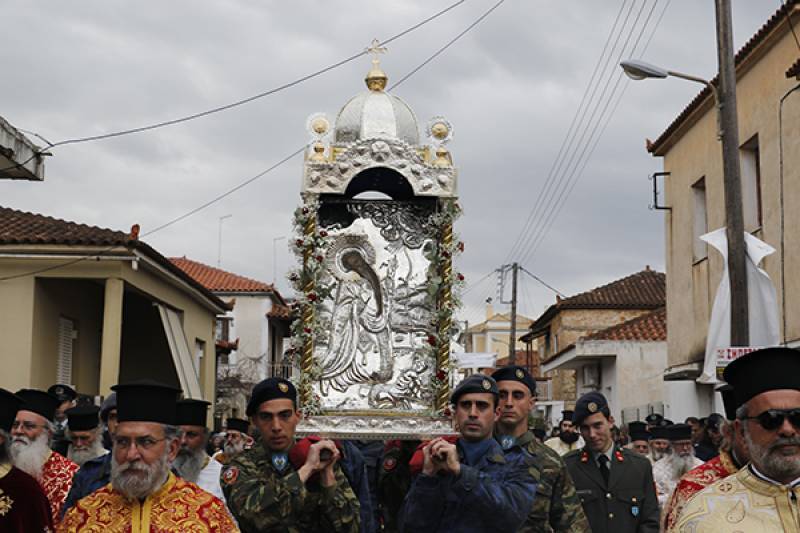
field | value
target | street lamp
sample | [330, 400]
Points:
[641, 70]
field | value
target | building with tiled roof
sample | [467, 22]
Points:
[250, 337]
[20, 159]
[625, 362]
[768, 111]
[92, 307]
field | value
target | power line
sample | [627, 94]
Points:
[238, 103]
[475, 284]
[540, 280]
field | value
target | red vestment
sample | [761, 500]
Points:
[56, 480]
[693, 482]
[23, 505]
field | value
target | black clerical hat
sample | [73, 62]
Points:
[38, 401]
[729, 401]
[270, 389]
[638, 431]
[83, 418]
[146, 401]
[515, 373]
[677, 432]
[659, 432]
[192, 412]
[237, 424]
[9, 405]
[762, 371]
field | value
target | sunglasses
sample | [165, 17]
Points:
[772, 419]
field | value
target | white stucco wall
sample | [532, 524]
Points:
[251, 327]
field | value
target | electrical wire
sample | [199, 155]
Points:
[474, 285]
[238, 103]
[544, 283]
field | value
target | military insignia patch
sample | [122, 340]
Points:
[520, 374]
[486, 384]
[280, 460]
[592, 407]
[584, 457]
[229, 475]
[389, 464]
[507, 441]
[283, 387]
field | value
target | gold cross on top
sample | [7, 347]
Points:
[376, 49]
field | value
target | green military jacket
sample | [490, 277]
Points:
[261, 498]
[627, 503]
[557, 507]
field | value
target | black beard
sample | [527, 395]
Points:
[568, 437]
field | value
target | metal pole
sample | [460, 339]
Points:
[740, 334]
[512, 345]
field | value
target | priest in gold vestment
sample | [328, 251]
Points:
[763, 496]
[144, 496]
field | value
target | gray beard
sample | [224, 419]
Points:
[770, 462]
[30, 456]
[233, 449]
[138, 480]
[188, 464]
[82, 455]
[658, 455]
[679, 465]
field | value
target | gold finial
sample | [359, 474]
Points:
[376, 78]
[319, 152]
[442, 158]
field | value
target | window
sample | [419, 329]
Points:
[199, 352]
[700, 223]
[223, 329]
[750, 162]
[66, 344]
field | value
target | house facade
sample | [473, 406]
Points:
[93, 307]
[767, 69]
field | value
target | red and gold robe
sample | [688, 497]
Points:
[23, 505]
[178, 506]
[693, 482]
[56, 480]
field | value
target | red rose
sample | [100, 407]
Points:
[460, 246]
[447, 411]
[305, 210]
[299, 242]
[445, 253]
[431, 340]
[323, 233]
[440, 375]
[460, 277]
[312, 297]
[320, 258]
[307, 330]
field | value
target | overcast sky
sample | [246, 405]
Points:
[510, 87]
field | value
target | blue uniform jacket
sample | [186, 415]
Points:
[93, 475]
[496, 494]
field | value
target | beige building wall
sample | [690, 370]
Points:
[692, 281]
[16, 331]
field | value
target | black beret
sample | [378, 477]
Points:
[83, 418]
[237, 424]
[679, 432]
[38, 401]
[654, 419]
[146, 401]
[589, 404]
[9, 405]
[270, 389]
[714, 421]
[659, 432]
[515, 373]
[729, 401]
[474, 383]
[64, 393]
[192, 412]
[763, 370]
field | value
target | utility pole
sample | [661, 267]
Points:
[737, 268]
[512, 345]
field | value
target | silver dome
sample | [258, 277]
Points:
[376, 114]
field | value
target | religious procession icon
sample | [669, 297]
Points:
[376, 285]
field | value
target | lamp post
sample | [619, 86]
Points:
[728, 132]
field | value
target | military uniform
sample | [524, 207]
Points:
[394, 480]
[557, 507]
[628, 503]
[264, 498]
[495, 494]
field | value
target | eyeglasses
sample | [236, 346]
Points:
[27, 426]
[772, 419]
[142, 443]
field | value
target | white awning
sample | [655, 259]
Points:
[181, 354]
[475, 359]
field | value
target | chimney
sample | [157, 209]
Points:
[489, 310]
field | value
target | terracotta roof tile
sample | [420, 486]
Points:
[643, 290]
[741, 55]
[218, 280]
[649, 327]
[20, 227]
[280, 312]
[794, 70]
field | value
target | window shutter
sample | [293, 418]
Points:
[66, 337]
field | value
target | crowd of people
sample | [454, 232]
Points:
[145, 460]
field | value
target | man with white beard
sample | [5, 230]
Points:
[31, 436]
[668, 470]
[659, 443]
[193, 463]
[84, 434]
[23, 505]
[237, 440]
[143, 494]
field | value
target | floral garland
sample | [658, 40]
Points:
[316, 246]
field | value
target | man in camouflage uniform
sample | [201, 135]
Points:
[470, 485]
[557, 507]
[280, 485]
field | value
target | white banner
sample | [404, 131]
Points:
[475, 359]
